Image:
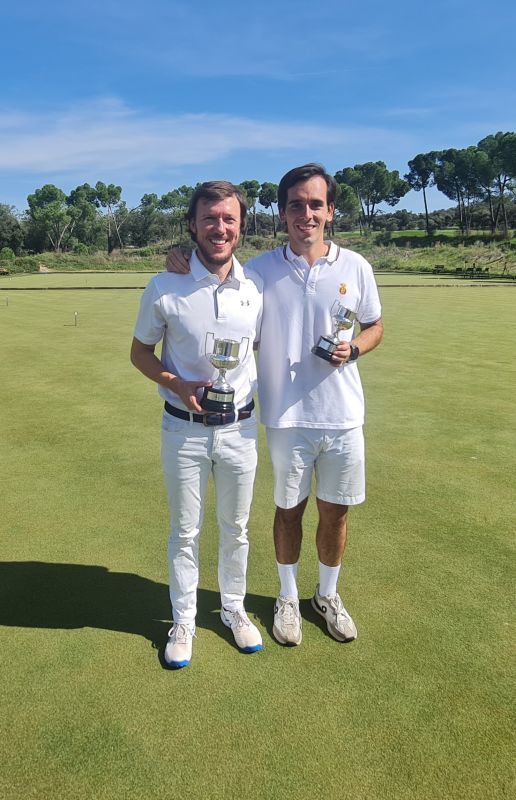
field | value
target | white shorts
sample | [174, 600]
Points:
[336, 456]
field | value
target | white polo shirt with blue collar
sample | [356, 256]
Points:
[180, 310]
[295, 387]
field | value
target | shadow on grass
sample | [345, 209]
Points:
[34, 594]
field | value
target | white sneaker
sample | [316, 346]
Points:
[178, 651]
[247, 636]
[339, 623]
[287, 621]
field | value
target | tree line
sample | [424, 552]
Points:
[480, 180]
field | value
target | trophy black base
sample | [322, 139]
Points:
[216, 401]
[324, 349]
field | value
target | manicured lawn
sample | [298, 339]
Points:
[137, 280]
[418, 708]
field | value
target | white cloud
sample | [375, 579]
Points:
[107, 135]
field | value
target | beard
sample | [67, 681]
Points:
[211, 259]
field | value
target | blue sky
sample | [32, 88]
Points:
[152, 95]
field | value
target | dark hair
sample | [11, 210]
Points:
[216, 190]
[303, 173]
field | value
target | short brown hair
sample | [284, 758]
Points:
[303, 173]
[216, 190]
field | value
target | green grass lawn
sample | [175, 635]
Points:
[418, 708]
[138, 280]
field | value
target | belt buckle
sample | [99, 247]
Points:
[211, 419]
[219, 418]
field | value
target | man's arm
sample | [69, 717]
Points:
[370, 336]
[144, 359]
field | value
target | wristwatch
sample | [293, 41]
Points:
[355, 352]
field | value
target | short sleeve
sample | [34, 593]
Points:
[150, 323]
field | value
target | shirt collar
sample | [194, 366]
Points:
[199, 271]
[331, 256]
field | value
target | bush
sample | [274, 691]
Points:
[141, 252]
[6, 254]
[80, 249]
[260, 242]
[24, 264]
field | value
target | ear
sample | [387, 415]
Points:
[282, 215]
[331, 212]
[193, 227]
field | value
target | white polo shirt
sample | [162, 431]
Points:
[297, 388]
[182, 309]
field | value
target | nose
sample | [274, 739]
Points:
[306, 211]
[219, 224]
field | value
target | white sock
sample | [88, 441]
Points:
[287, 575]
[328, 577]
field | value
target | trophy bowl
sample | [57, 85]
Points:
[224, 356]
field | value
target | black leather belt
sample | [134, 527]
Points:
[211, 418]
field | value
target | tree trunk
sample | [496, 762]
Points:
[273, 221]
[110, 211]
[491, 212]
[505, 225]
[427, 223]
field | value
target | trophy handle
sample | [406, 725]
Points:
[246, 338]
[206, 351]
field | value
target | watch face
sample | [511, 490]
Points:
[354, 353]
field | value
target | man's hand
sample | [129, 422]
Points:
[178, 260]
[187, 391]
[341, 354]
[370, 336]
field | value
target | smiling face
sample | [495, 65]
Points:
[306, 214]
[216, 227]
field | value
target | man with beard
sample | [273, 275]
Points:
[217, 296]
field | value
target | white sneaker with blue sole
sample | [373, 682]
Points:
[247, 636]
[178, 651]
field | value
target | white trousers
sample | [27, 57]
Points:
[190, 452]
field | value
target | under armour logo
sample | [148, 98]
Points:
[244, 302]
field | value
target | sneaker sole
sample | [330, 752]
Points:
[337, 636]
[253, 649]
[279, 638]
[175, 664]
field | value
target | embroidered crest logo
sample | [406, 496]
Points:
[343, 288]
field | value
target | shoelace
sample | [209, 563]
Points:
[180, 633]
[338, 607]
[238, 619]
[287, 611]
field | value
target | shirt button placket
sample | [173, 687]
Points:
[221, 303]
[312, 279]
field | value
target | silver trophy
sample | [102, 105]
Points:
[225, 355]
[343, 319]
